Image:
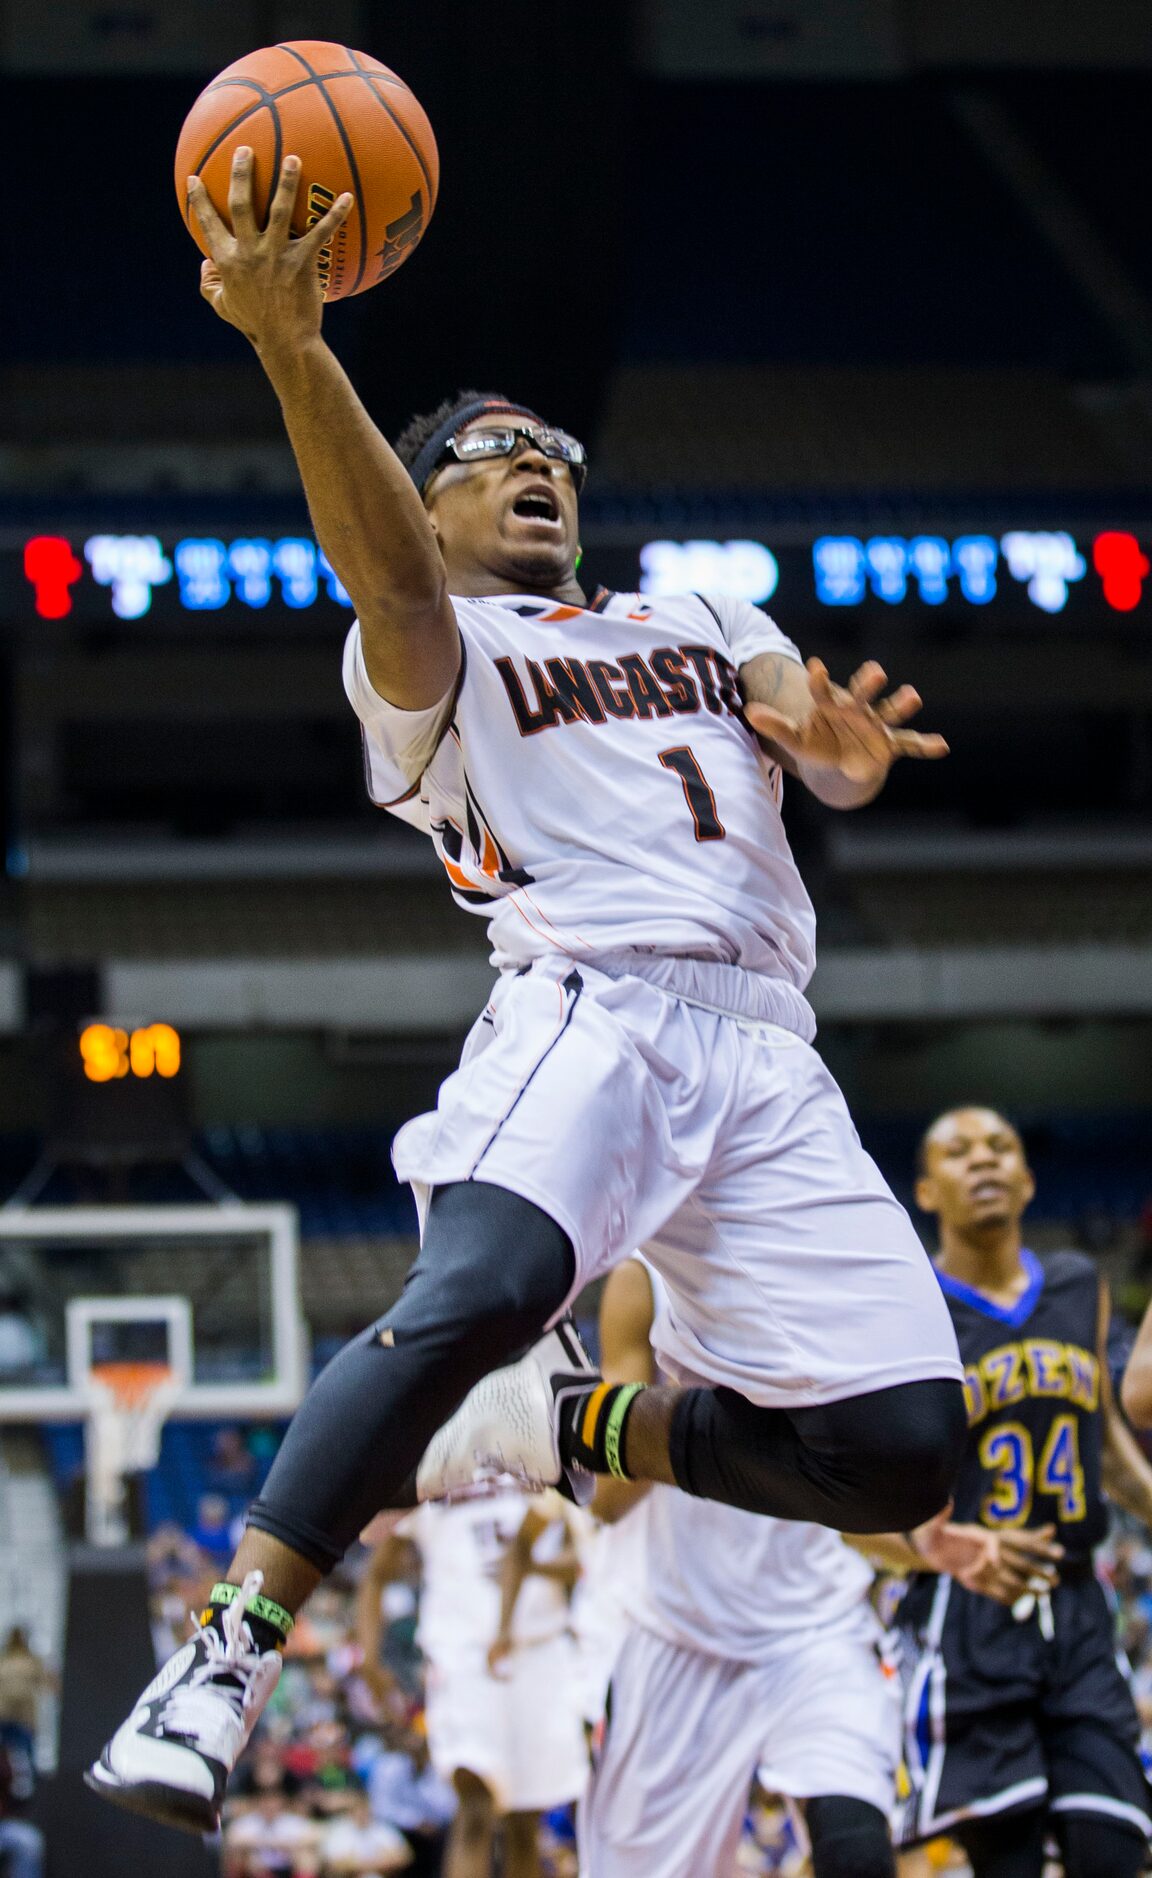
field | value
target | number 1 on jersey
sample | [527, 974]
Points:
[697, 792]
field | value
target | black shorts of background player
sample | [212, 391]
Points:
[483, 504]
[1020, 1723]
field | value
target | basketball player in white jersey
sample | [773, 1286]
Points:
[510, 1739]
[751, 1644]
[601, 777]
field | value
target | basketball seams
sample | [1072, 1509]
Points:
[250, 110]
[277, 149]
[263, 93]
[350, 155]
[368, 78]
[265, 97]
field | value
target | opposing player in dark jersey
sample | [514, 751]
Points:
[1020, 1724]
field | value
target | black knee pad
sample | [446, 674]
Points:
[896, 1452]
[492, 1270]
[870, 1463]
[849, 1838]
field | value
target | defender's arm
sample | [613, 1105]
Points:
[1001, 1566]
[1136, 1388]
[626, 1314]
[1127, 1474]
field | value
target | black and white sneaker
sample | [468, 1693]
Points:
[510, 1424]
[172, 1757]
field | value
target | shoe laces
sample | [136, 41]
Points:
[225, 1676]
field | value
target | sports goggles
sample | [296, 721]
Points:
[477, 446]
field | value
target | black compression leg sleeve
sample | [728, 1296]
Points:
[492, 1270]
[849, 1838]
[1095, 1847]
[882, 1462]
[1009, 1846]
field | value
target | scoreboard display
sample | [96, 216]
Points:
[1012, 576]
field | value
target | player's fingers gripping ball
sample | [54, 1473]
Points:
[356, 128]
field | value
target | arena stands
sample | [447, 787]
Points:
[862, 334]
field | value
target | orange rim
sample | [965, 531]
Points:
[131, 1383]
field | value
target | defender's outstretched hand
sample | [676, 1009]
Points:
[1001, 1565]
[262, 280]
[856, 733]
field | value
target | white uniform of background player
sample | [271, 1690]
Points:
[724, 1149]
[750, 1646]
[519, 1731]
[611, 1560]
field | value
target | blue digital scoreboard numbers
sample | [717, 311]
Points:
[1020, 573]
[203, 573]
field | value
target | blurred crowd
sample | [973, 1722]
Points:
[338, 1779]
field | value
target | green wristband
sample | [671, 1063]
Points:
[260, 1606]
[614, 1428]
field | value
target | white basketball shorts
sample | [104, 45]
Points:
[520, 1731]
[687, 1733]
[672, 1116]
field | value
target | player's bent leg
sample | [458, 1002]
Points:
[872, 1463]
[1005, 1845]
[494, 1268]
[849, 1838]
[491, 1272]
[1093, 1846]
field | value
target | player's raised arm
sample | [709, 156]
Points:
[840, 742]
[367, 514]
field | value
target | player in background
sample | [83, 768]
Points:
[1136, 1388]
[751, 1645]
[503, 1720]
[1019, 1721]
[601, 778]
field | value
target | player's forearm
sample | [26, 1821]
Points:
[563, 1571]
[369, 1603]
[887, 1551]
[512, 1575]
[1136, 1389]
[1127, 1475]
[613, 1499]
[371, 523]
[780, 683]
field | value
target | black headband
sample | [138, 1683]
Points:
[429, 454]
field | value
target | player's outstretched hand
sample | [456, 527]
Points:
[855, 732]
[262, 280]
[1000, 1565]
[498, 1654]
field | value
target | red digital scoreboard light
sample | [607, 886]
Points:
[1123, 567]
[53, 570]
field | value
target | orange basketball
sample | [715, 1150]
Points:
[353, 124]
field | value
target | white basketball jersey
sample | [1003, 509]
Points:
[462, 1546]
[727, 1582]
[592, 785]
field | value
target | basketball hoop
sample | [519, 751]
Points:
[130, 1360]
[128, 1404]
